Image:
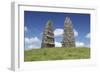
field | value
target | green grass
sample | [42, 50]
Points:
[44, 54]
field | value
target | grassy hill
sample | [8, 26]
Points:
[44, 54]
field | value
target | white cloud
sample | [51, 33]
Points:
[88, 35]
[88, 45]
[33, 46]
[33, 42]
[58, 32]
[75, 33]
[25, 28]
[80, 44]
[27, 40]
[57, 44]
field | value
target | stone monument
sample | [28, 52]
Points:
[68, 36]
[48, 36]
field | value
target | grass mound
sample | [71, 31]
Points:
[44, 54]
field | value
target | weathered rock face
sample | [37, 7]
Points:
[68, 36]
[48, 36]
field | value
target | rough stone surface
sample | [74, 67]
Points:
[48, 36]
[68, 36]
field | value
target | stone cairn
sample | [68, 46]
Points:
[48, 36]
[68, 36]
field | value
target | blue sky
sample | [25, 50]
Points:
[34, 23]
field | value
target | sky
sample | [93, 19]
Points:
[35, 21]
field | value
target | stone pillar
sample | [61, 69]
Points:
[68, 36]
[48, 36]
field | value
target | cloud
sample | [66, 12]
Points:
[75, 33]
[87, 35]
[33, 42]
[57, 44]
[33, 46]
[80, 44]
[58, 32]
[88, 45]
[25, 28]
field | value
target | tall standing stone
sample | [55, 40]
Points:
[68, 36]
[48, 36]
